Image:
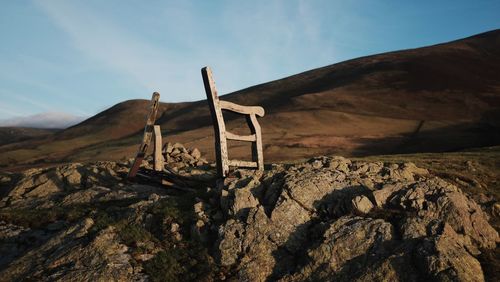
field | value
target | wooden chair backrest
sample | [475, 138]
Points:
[217, 117]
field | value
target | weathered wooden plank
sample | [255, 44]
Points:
[148, 131]
[135, 166]
[218, 120]
[257, 154]
[158, 180]
[232, 136]
[246, 110]
[177, 187]
[158, 156]
[239, 163]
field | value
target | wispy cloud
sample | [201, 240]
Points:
[34, 102]
[245, 43]
[44, 120]
[17, 105]
[11, 111]
[108, 44]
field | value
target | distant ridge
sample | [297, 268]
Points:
[17, 134]
[43, 120]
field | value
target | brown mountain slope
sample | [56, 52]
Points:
[16, 134]
[438, 98]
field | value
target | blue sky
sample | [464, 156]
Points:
[76, 58]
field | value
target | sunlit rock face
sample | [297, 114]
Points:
[336, 220]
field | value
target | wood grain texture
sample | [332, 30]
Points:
[148, 132]
[257, 153]
[245, 110]
[238, 163]
[249, 138]
[158, 156]
[218, 122]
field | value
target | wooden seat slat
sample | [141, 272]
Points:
[232, 136]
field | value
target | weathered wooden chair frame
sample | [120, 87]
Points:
[221, 135]
[149, 130]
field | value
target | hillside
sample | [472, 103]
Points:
[16, 134]
[439, 98]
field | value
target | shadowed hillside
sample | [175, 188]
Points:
[439, 98]
[16, 134]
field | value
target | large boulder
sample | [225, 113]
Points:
[334, 219]
[69, 256]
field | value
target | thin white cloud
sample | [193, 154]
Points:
[11, 111]
[277, 39]
[44, 120]
[22, 101]
[245, 43]
[33, 102]
[106, 43]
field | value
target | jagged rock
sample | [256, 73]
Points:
[495, 209]
[178, 146]
[248, 244]
[301, 195]
[196, 153]
[67, 256]
[348, 243]
[297, 226]
[239, 196]
[175, 152]
[167, 148]
[368, 183]
[174, 227]
[176, 156]
[387, 191]
[436, 200]
[229, 246]
[326, 219]
[339, 163]
[8, 230]
[362, 205]
[110, 241]
[43, 188]
[483, 199]
[445, 257]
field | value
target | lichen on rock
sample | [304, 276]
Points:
[323, 222]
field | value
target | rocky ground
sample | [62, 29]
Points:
[176, 156]
[327, 219]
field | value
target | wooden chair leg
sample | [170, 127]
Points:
[260, 154]
[158, 156]
[146, 139]
[257, 154]
[218, 120]
[222, 156]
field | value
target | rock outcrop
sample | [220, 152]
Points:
[87, 222]
[328, 219]
[177, 156]
[337, 220]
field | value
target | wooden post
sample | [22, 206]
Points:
[218, 120]
[146, 139]
[158, 156]
[257, 154]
